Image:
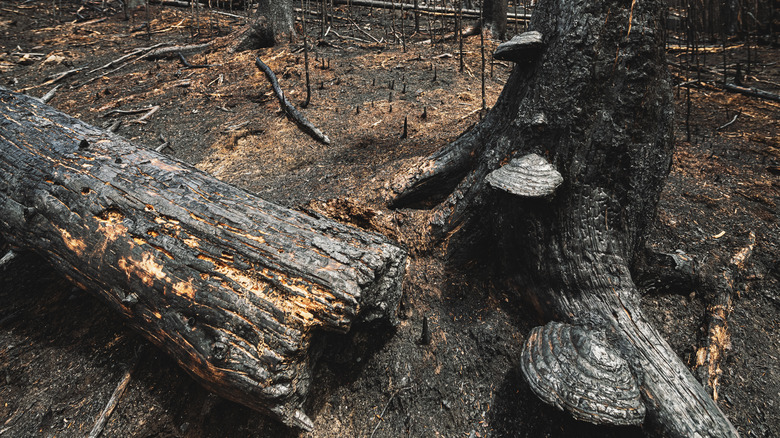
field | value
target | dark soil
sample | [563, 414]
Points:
[62, 353]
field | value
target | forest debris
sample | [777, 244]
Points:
[188, 65]
[752, 92]
[47, 97]
[129, 55]
[113, 401]
[151, 111]
[305, 125]
[729, 123]
[718, 337]
[130, 111]
[10, 255]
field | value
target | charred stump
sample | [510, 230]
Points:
[234, 288]
[561, 179]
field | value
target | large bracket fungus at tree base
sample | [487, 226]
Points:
[589, 94]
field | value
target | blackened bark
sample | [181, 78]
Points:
[274, 20]
[231, 286]
[494, 15]
[596, 103]
[280, 16]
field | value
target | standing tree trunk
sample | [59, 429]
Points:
[280, 16]
[274, 21]
[234, 288]
[565, 173]
[494, 15]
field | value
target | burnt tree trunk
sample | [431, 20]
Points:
[494, 15]
[589, 94]
[231, 286]
[273, 21]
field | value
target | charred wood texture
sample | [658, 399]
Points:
[595, 103]
[231, 286]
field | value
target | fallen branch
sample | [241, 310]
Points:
[710, 356]
[113, 401]
[433, 10]
[148, 114]
[166, 52]
[124, 57]
[305, 125]
[752, 92]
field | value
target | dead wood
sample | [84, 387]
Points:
[234, 288]
[717, 342]
[304, 124]
[113, 401]
[752, 92]
[602, 119]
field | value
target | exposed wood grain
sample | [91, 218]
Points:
[233, 287]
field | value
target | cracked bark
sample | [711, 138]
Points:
[596, 103]
[234, 288]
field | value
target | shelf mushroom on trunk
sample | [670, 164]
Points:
[564, 173]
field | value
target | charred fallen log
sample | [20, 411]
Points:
[233, 287]
[566, 171]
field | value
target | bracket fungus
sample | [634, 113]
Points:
[578, 371]
[530, 176]
[521, 48]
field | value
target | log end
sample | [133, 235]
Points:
[521, 48]
[576, 370]
[530, 176]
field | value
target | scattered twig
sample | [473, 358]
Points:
[729, 123]
[305, 125]
[143, 118]
[382, 414]
[347, 37]
[364, 32]
[97, 429]
[47, 97]
[130, 111]
[55, 78]
[10, 255]
[114, 126]
[143, 51]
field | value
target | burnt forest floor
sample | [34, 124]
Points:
[62, 353]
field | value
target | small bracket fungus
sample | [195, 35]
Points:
[521, 48]
[576, 370]
[530, 176]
